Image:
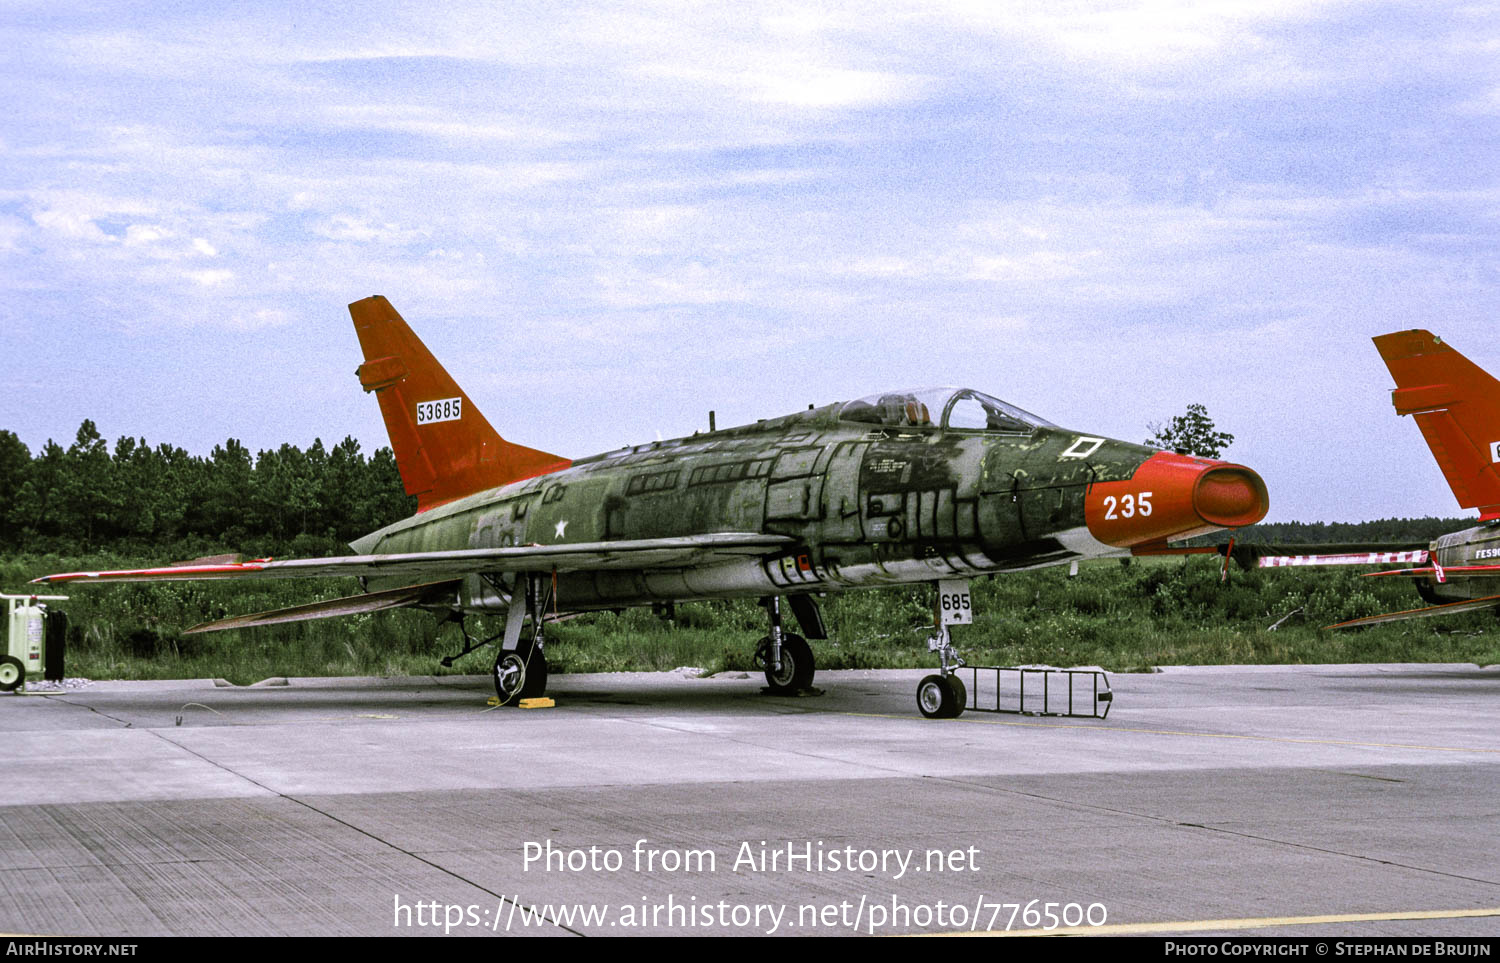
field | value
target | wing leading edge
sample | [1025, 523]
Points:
[643, 553]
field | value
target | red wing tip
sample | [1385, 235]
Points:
[170, 571]
[64, 577]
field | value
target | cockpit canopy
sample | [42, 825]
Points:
[945, 407]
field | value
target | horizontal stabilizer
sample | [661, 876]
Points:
[633, 554]
[332, 608]
[1452, 608]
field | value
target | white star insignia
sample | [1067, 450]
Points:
[562, 528]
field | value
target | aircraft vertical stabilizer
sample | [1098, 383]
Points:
[1456, 404]
[444, 447]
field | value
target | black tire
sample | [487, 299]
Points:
[960, 696]
[797, 666]
[12, 673]
[521, 674]
[940, 697]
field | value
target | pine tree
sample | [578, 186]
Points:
[15, 465]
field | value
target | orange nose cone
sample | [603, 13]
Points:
[1174, 496]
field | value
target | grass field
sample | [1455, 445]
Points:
[1124, 618]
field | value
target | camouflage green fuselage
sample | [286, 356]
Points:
[867, 505]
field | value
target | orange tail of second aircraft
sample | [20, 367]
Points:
[444, 447]
[1457, 405]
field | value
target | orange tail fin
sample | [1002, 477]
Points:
[1457, 405]
[444, 447]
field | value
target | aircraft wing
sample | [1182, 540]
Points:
[643, 553]
[349, 605]
[1452, 608]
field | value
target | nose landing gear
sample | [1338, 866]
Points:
[943, 696]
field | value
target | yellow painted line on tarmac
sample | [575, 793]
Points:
[1176, 732]
[1253, 923]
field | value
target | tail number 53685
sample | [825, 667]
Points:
[448, 409]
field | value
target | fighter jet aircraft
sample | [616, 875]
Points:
[894, 488]
[1456, 404]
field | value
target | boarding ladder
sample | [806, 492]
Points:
[1037, 691]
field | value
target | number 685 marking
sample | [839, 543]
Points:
[1128, 505]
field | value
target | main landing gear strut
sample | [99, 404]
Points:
[520, 669]
[785, 657]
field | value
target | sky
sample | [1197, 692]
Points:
[607, 219]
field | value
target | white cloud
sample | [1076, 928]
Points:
[256, 319]
[1139, 33]
[70, 224]
[689, 283]
[792, 83]
[210, 278]
[432, 121]
[345, 227]
[12, 231]
[789, 190]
